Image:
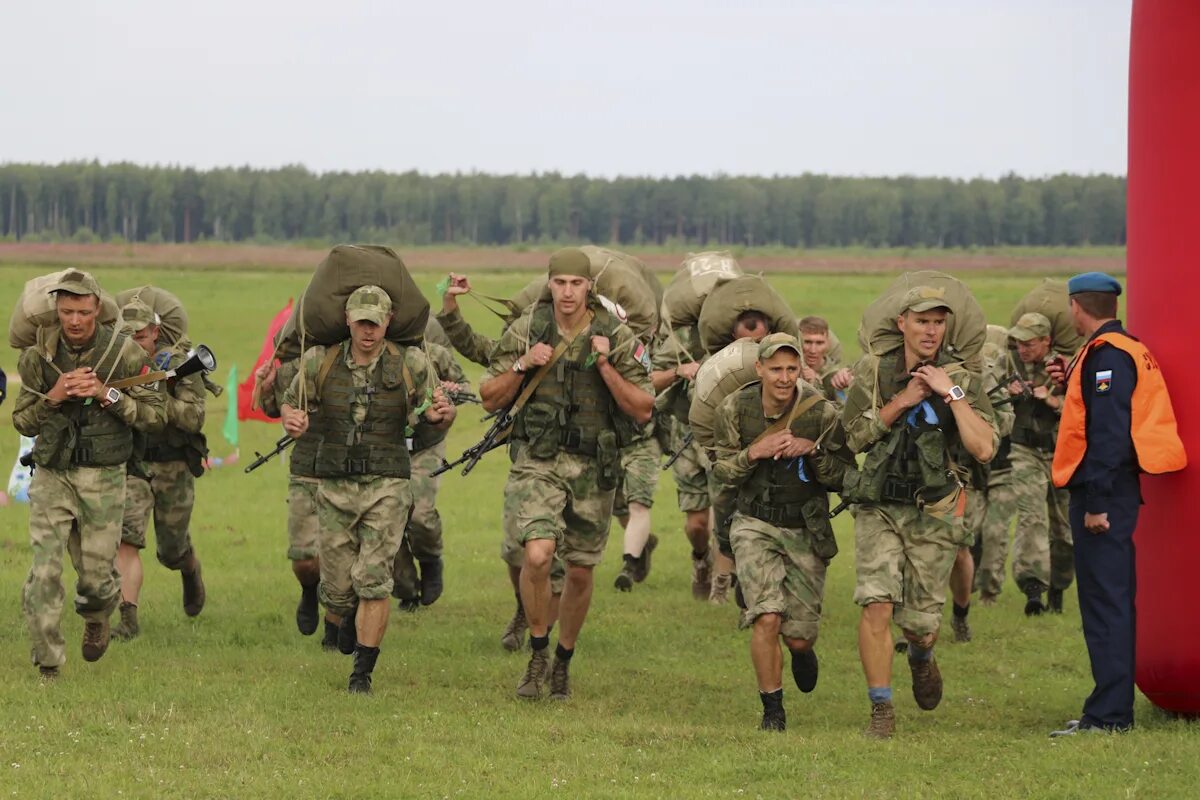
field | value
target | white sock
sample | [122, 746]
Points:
[637, 530]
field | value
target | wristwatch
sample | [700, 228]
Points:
[518, 366]
[956, 393]
[110, 397]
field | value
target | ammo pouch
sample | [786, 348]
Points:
[866, 483]
[816, 520]
[608, 461]
[540, 429]
[196, 454]
[55, 443]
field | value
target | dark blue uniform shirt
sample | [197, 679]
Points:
[1108, 378]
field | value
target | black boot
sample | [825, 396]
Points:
[193, 586]
[773, 718]
[330, 640]
[1033, 600]
[364, 665]
[347, 635]
[804, 670]
[431, 581]
[307, 615]
[1055, 598]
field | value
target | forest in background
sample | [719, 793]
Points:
[89, 202]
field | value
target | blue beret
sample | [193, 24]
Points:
[1093, 282]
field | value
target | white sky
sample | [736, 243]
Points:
[861, 87]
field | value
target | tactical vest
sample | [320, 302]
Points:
[302, 461]
[375, 447]
[172, 443]
[1035, 425]
[571, 408]
[915, 455]
[93, 436]
[774, 492]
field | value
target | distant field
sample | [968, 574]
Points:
[237, 704]
[1040, 260]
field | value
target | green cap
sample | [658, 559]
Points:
[925, 298]
[136, 315]
[1030, 326]
[369, 303]
[570, 261]
[76, 281]
[773, 343]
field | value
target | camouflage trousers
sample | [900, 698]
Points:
[999, 508]
[640, 465]
[695, 485]
[904, 557]
[423, 534]
[362, 524]
[304, 529]
[779, 574]
[558, 498]
[169, 495]
[79, 509]
[1043, 554]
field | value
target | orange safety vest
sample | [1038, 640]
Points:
[1155, 436]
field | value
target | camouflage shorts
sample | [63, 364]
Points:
[904, 557]
[424, 530]
[695, 485]
[513, 552]
[303, 527]
[362, 523]
[557, 498]
[640, 463]
[168, 496]
[779, 574]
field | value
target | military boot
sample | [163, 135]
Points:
[1033, 604]
[128, 627]
[926, 682]
[347, 638]
[95, 639]
[804, 669]
[961, 628]
[883, 721]
[774, 718]
[718, 595]
[307, 613]
[48, 674]
[1055, 599]
[560, 680]
[641, 568]
[193, 587]
[702, 575]
[625, 579]
[431, 580]
[330, 641]
[530, 687]
[513, 638]
[364, 665]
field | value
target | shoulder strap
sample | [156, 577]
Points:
[560, 348]
[785, 421]
[331, 355]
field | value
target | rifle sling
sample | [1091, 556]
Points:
[141, 380]
[544, 370]
[785, 421]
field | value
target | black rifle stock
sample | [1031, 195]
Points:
[687, 442]
[259, 459]
[495, 436]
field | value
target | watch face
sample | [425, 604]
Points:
[112, 395]
[956, 393]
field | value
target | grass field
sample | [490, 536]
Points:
[235, 703]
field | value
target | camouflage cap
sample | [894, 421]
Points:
[570, 261]
[1030, 326]
[925, 298]
[773, 343]
[369, 303]
[76, 281]
[136, 315]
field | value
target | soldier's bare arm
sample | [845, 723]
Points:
[626, 378]
[977, 432]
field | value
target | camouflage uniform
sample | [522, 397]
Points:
[161, 481]
[990, 516]
[780, 534]
[362, 512]
[695, 486]
[1043, 554]
[77, 497]
[639, 474]
[903, 555]
[303, 528]
[474, 347]
[557, 489]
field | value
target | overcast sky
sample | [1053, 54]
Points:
[860, 87]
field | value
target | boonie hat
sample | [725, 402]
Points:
[369, 303]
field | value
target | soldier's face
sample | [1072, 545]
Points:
[569, 293]
[815, 345]
[146, 338]
[779, 374]
[77, 315]
[923, 331]
[1035, 349]
[366, 336]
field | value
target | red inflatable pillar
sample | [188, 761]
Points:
[1164, 287]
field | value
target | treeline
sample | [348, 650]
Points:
[85, 201]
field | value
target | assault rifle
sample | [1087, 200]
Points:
[259, 459]
[684, 445]
[495, 436]
[1006, 398]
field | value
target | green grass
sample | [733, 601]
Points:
[236, 704]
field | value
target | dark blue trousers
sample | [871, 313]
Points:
[1107, 581]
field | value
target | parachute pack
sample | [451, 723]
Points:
[730, 298]
[36, 309]
[172, 317]
[1050, 299]
[720, 376]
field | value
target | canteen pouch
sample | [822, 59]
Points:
[55, 443]
[540, 428]
[865, 483]
[608, 461]
[816, 520]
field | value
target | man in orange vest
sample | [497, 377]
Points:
[1116, 423]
